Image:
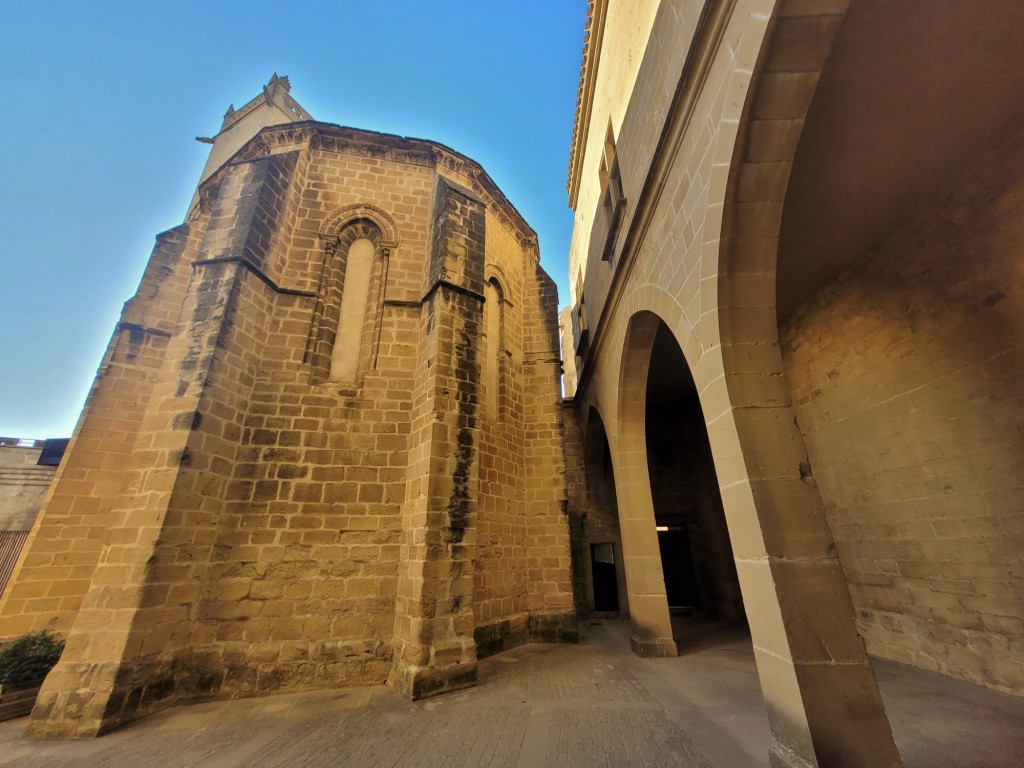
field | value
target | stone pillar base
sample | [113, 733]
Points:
[73, 702]
[83, 700]
[554, 628]
[425, 682]
[651, 648]
[511, 632]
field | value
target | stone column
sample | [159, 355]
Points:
[820, 691]
[645, 579]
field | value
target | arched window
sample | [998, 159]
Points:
[493, 347]
[355, 293]
[346, 320]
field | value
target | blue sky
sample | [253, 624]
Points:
[102, 101]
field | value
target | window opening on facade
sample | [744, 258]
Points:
[609, 213]
[494, 343]
[348, 338]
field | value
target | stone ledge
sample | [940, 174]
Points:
[17, 701]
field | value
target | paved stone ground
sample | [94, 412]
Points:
[589, 705]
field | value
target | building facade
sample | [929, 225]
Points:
[25, 475]
[324, 447]
[797, 308]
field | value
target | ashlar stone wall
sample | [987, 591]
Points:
[906, 385]
[239, 517]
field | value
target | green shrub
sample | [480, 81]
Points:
[27, 660]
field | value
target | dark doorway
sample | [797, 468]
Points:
[606, 589]
[677, 565]
[601, 579]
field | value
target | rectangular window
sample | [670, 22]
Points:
[609, 211]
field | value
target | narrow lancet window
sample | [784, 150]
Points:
[347, 342]
[492, 348]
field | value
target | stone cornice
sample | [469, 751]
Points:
[253, 269]
[593, 37]
[384, 146]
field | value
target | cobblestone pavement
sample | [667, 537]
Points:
[539, 706]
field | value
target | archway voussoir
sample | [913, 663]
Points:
[708, 368]
[747, 289]
[714, 218]
[711, 328]
[693, 350]
[711, 255]
[772, 444]
[763, 181]
[718, 182]
[759, 390]
[784, 96]
[749, 324]
[739, 358]
[728, 130]
[802, 43]
[757, 219]
[751, 254]
[773, 140]
[790, 8]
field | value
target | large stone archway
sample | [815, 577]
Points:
[840, 65]
[815, 672]
[896, 266]
[820, 693]
[677, 549]
[652, 627]
[705, 141]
